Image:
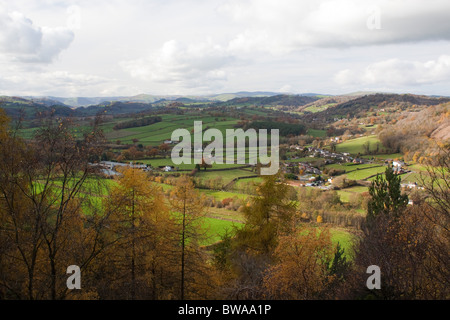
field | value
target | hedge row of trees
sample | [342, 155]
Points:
[137, 123]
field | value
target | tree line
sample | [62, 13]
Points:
[137, 123]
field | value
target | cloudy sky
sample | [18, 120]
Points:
[117, 47]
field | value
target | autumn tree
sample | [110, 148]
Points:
[164, 148]
[268, 215]
[188, 207]
[140, 215]
[301, 269]
[42, 225]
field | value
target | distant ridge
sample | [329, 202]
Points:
[77, 102]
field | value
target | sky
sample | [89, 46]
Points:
[97, 48]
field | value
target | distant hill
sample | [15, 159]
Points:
[148, 98]
[277, 100]
[112, 108]
[359, 106]
[241, 94]
[16, 107]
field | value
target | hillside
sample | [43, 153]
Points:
[77, 102]
[418, 134]
[16, 107]
[278, 100]
[359, 107]
[324, 103]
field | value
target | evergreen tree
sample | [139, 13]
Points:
[387, 197]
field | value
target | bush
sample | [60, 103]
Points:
[291, 176]
[227, 201]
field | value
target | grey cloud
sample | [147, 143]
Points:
[294, 24]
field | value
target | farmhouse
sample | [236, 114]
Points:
[398, 164]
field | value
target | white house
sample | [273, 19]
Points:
[397, 164]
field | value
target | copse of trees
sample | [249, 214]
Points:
[41, 192]
[408, 243]
[286, 129]
[137, 123]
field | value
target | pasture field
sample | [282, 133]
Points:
[317, 133]
[391, 156]
[155, 134]
[155, 163]
[304, 159]
[315, 109]
[216, 229]
[345, 239]
[346, 194]
[355, 146]
[221, 195]
[226, 176]
[363, 174]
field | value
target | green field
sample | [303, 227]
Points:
[358, 171]
[355, 146]
[226, 175]
[155, 134]
[345, 239]
[220, 195]
[155, 163]
[315, 109]
[391, 156]
[365, 173]
[346, 194]
[317, 133]
[216, 229]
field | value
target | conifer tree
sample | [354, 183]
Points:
[386, 194]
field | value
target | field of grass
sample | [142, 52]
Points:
[346, 194]
[304, 159]
[155, 163]
[155, 134]
[355, 146]
[365, 173]
[315, 109]
[344, 238]
[226, 176]
[216, 228]
[384, 156]
[317, 133]
[220, 195]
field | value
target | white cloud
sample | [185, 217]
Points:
[22, 41]
[396, 72]
[37, 82]
[285, 89]
[124, 47]
[185, 65]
